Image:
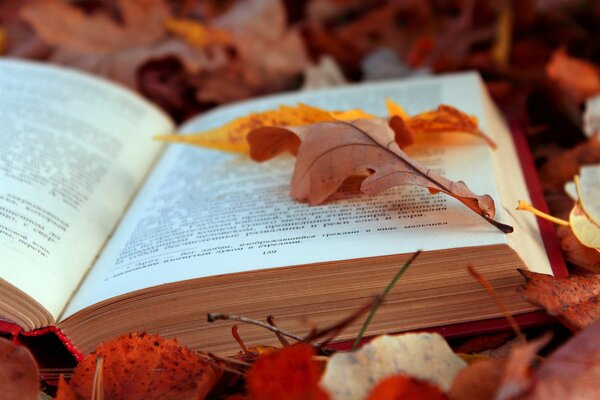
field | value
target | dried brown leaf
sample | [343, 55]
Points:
[577, 253]
[330, 152]
[573, 300]
[571, 372]
[69, 28]
[578, 78]
[479, 381]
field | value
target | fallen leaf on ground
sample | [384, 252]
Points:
[577, 253]
[268, 56]
[584, 227]
[18, 372]
[571, 372]
[560, 169]
[401, 387]
[479, 381]
[516, 377]
[142, 366]
[578, 78]
[329, 152]
[327, 73]
[425, 356]
[287, 374]
[575, 300]
[68, 27]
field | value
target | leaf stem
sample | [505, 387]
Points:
[525, 206]
[212, 317]
[375, 307]
[499, 303]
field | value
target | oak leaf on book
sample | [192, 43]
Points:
[328, 153]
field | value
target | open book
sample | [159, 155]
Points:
[104, 231]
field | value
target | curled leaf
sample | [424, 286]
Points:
[584, 228]
[330, 152]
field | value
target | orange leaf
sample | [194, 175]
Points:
[142, 366]
[18, 372]
[447, 119]
[402, 387]
[330, 152]
[64, 391]
[578, 78]
[573, 300]
[479, 380]
[68, 27]
[288, 374]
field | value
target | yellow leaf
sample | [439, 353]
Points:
[350, 115]
[195, 33]
[395, 109]
[232, 136]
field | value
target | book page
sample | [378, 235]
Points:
[73, 149]
[204, 212]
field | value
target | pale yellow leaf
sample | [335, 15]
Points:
[426, 356]
[584, 228]
[589, 186]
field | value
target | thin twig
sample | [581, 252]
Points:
[335, 329]
[271, 321]
[487, 286]
[212, 317]
[98, 383]
[374, 309]
[230, 364]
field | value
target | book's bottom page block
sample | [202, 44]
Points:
[436, 290]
